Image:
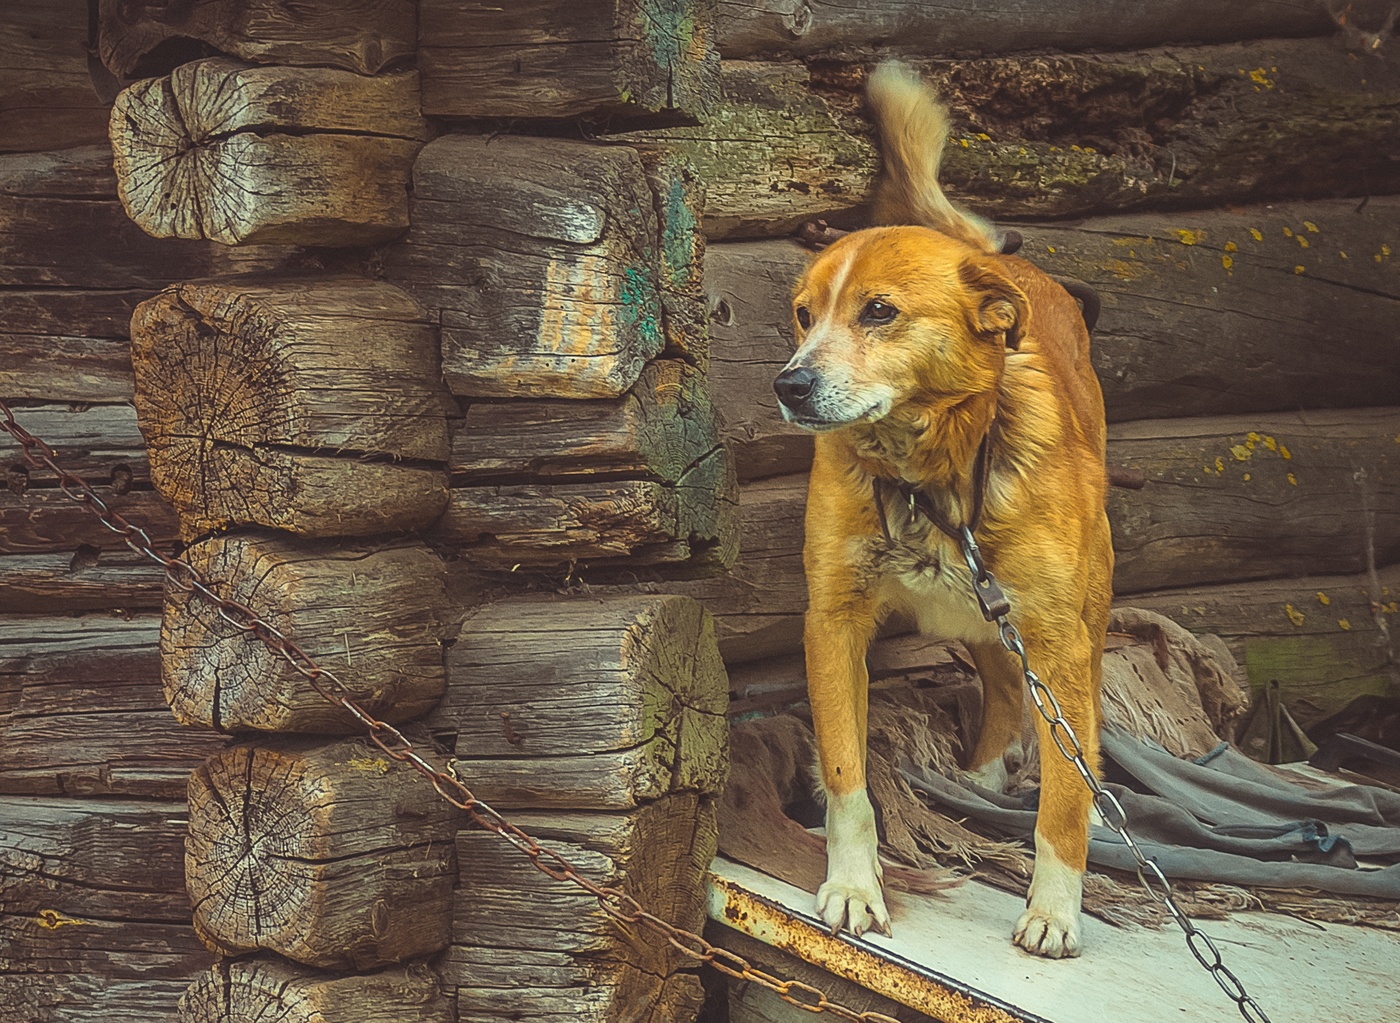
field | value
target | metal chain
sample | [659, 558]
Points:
[995, 608]
[614, 902]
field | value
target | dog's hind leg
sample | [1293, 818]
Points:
[1003, 692]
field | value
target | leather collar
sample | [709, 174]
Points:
[920, 503]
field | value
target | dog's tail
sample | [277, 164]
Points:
[914, 129]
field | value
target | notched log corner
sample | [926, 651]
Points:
[248, 155]
[377, 616]
[313, 406]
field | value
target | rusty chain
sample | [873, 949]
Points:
[995, 608]
[619, 906]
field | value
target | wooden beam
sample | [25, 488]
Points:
[678, 192]
[82, 713]
[265, 987]
[86, 579]
[549, 58]
[1320, 638]
[136, 41]
[751, 27]
[540, 258]
[238, 154]
[623, 697]
[377, 616]
[95, 922]
[1274, 119]
[1173, 287]
[67, 345]
[47, 98]
[566, 957]
[317, 411]
[333, 856]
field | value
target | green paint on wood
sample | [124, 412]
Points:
[641, 307]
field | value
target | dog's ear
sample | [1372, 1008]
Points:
[997, 308]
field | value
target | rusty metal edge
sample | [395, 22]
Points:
[885, 973]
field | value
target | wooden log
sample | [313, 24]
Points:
[751, 27]
[1172, 288]
[678, 193]
[540, 257]
[548, 58]
[86, 579]
[82, 713]
[67, 345]
[1325, 639]
[44, 520]
[333, 856]
[1187, 127]
[140, 40]
[96, 920]
[249, 155]
[624, 696]
[47, 99]
[265, 987]
[377, 616]
[312, 406]
[1255, 497]
[545, 483]
[94, 441]
[565, 957]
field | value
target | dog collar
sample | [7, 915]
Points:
[920, 504]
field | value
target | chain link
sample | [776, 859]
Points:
[1110, 809]
[617, 904]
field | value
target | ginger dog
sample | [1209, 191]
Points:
[917, 345]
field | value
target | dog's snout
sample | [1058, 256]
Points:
[794, 386]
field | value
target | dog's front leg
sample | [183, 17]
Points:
[838, 630]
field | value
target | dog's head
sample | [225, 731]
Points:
[894, 316]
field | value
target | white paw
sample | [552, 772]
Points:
[991, 775]
[1053, 936]
[852, 896]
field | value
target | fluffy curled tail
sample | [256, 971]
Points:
[913, 131]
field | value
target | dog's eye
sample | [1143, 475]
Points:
[878, 312]
[804, 318]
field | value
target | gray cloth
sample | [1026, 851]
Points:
[1222, 819]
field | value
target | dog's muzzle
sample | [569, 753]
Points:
[795, 387]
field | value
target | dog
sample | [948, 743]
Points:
[948, 385]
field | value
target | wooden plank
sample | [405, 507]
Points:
[624, 697]
[47, 99]
[318, 411]
[82, 712]
[751, 27]
[377, 616]
[44, 520]
[265, 987]
[94, 441]
[1255, 497]
[333, 856]
[1324, 639]
[86, 579]
[250, 155]
[1172, 288]
[540, 258]
[566, 958]
[1186, 127]
[549, 58]
[137, 41]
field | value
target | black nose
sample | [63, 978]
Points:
[794, 386]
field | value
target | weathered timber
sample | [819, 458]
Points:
[377, 616]
[267, 988]
[642, 477]
[38, 520]
[247, 155]
[95, 922]
[551, 58]
[86, 579]
[82, 713]
[751, 27]
[64, 345]
[541, 258]
[334, 856]
[1255, 497]
[1324, 639]
[312, 406]
[622, 697]
[565, 956]
[678, 192]
[94, 441]
[137, 40]
[1200, 316]
[47, 99]
[1269, 119]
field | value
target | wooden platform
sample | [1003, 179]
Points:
[951, 958]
